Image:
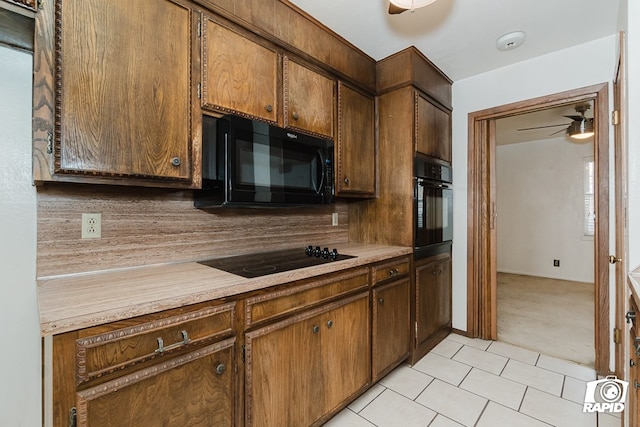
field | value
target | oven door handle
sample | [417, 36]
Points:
[424, 183]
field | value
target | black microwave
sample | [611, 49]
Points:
[251, 163]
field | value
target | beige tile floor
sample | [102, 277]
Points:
[478, 383]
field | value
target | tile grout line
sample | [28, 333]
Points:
[370, 402]
[482, 412]
[509, 379]
[527, 390]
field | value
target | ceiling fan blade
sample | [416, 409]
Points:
[561, 130]
[395, 10]
[575, 118]
[548, 126]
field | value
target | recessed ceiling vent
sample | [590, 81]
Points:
[510, 41]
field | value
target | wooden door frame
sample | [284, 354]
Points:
[481, 247]
[619, 105]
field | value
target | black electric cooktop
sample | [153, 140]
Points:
[261, 264]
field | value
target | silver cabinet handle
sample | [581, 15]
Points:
[161, 348]
[381, 301]
[269, 108]
[316, 329]
[330, 324]
[295, 116]
[220, 369]
[630, 316]
[393, 272]
[176, 161]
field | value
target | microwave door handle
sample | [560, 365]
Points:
[321, 177]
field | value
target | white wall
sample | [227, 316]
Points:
[580, 66]
[540, 205]
[20, 372]
[633, 136]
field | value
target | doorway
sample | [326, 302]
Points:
[481, 214]
[545, 227]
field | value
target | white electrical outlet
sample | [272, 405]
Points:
[91, 225]
[334, 219]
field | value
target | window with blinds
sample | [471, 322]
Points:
[589, 197]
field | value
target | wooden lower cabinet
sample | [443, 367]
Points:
[170, 369]
[633, 400]
[391, 326]
[301, 369]
[195, 389]
[292, 355]
[432, 303]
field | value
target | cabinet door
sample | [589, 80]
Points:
[300, 369]
[433, 298]
[633, 405]
[355, 148]
[238, 75]
[282, 367]
[124, 97]
[433, 130]
[346, 351]
[195, 389]
[391, 326]
[309, 99]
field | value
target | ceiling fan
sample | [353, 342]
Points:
[398, 6]
[580, 128]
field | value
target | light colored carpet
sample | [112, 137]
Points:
[549, 316]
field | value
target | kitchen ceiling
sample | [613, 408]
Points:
[459, 36]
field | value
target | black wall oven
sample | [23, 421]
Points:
[433, 207]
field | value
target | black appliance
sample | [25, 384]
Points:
[433, 207]
[261, 264]
[251, 163]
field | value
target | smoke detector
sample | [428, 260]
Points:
[511, 40]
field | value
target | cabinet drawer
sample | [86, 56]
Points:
[107, 352]
[390, 270]
[274, 304]
[177, 391]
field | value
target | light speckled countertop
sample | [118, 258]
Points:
[72, 302]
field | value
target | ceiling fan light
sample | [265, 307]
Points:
[580, 129]
[411, 4]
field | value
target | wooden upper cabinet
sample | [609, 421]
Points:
[123, 98]
[355, 146]
[433, 129]
[239, 75]
[309, 99]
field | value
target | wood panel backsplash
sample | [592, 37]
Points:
[152, 226]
